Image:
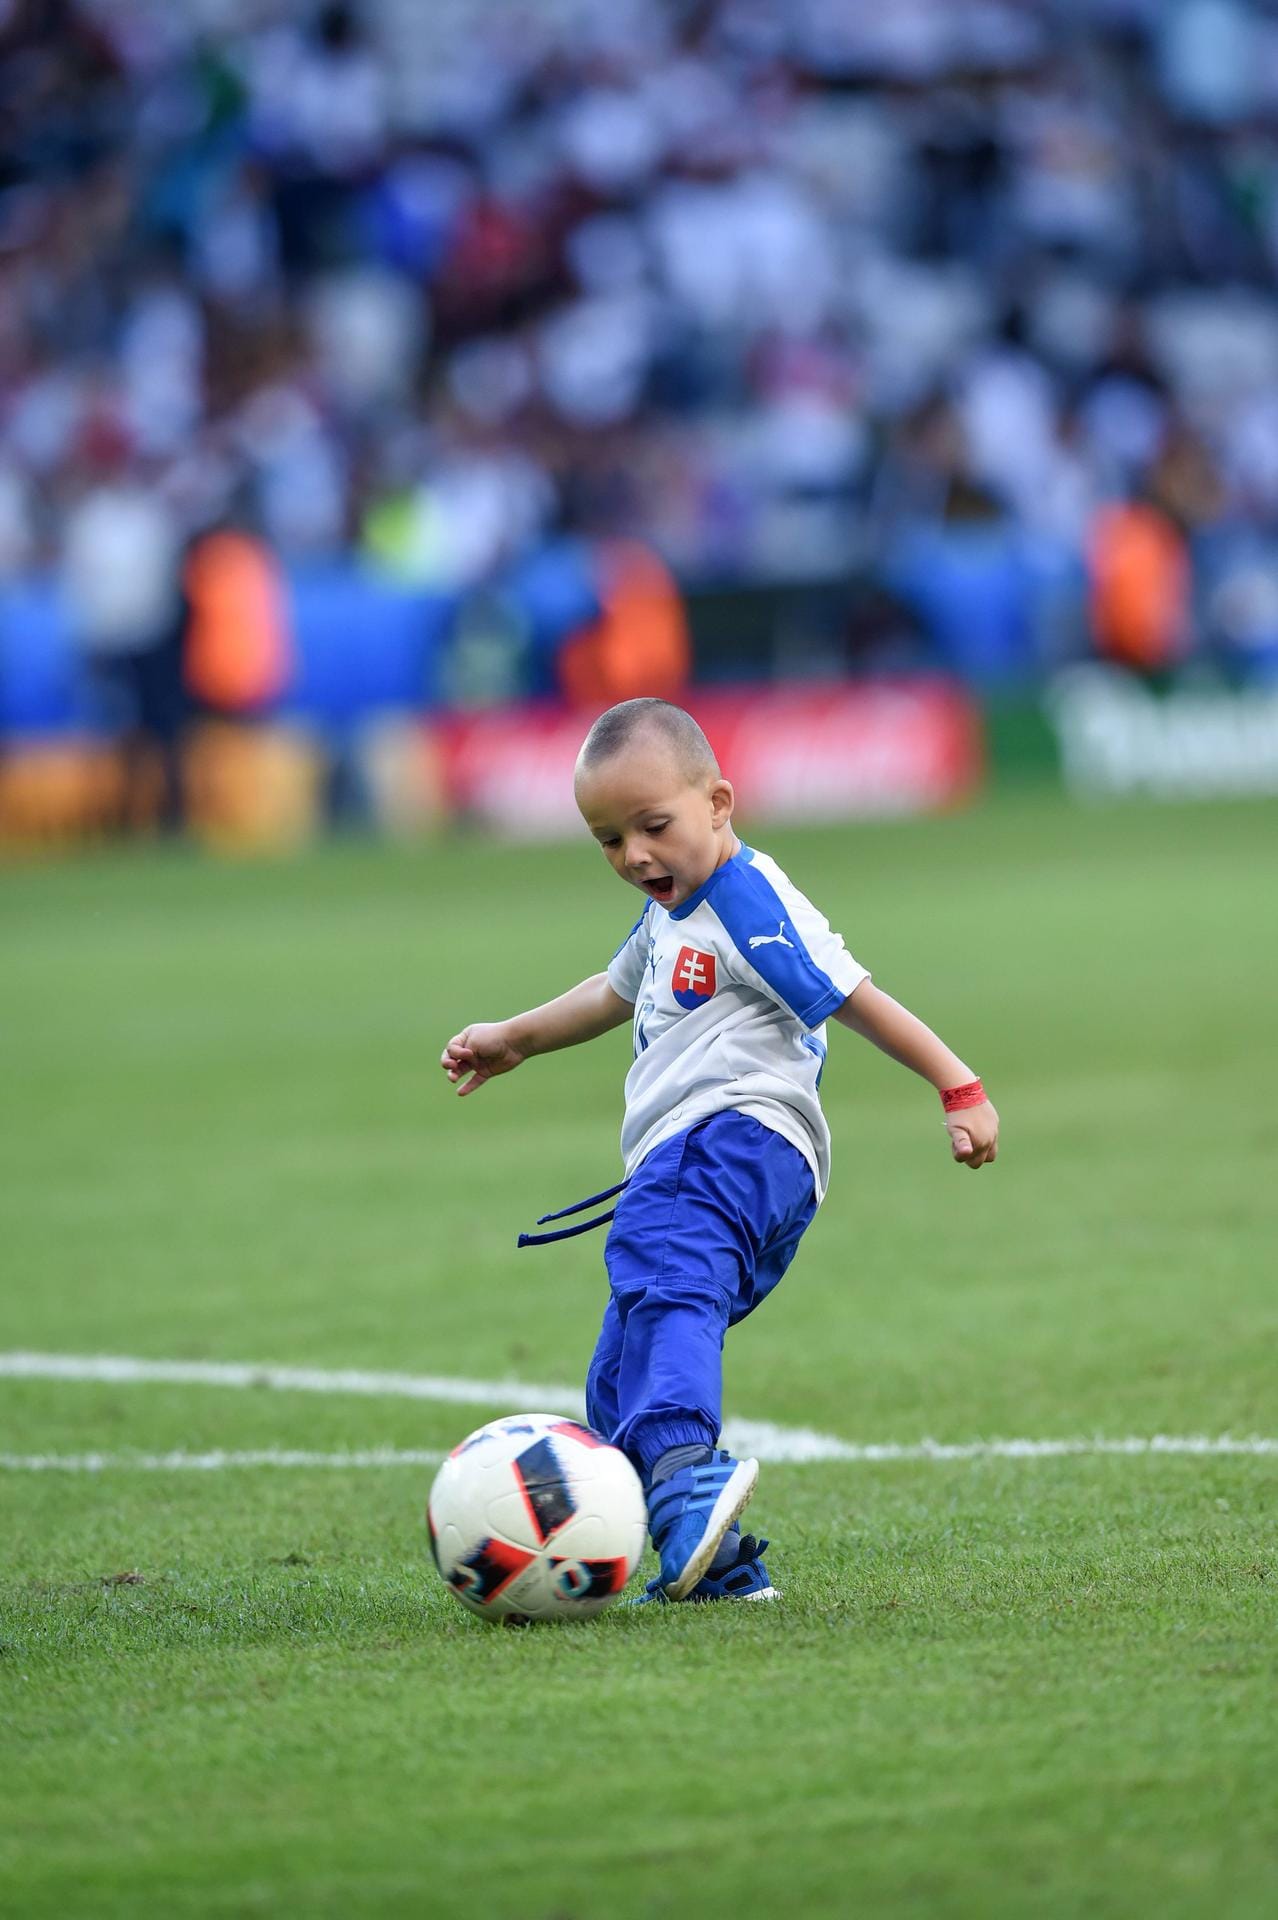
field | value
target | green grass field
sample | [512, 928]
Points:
[994, 1686]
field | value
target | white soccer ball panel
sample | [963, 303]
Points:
[594, 1536]
[507, 1513]
[535, 1516]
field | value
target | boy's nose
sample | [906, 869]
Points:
[637, 854]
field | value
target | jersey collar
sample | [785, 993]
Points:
[742, 857]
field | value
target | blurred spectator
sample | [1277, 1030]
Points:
[639, 645]
[236, 655]
[1139, 574]
[17, 536]
[120, 565]
[780, 289]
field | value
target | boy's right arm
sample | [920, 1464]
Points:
[498, 1046]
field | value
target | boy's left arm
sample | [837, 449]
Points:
[973, 1130]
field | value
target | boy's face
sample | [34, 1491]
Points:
[660, 830]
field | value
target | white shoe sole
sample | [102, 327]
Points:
[730, 1505]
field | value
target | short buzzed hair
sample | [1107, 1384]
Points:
[623, 723]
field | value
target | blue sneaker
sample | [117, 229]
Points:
[745, 1579]
[689, 1513]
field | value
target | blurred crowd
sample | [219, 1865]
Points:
[944, 294]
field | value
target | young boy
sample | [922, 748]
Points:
[729, 976]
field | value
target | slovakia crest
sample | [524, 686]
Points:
[693, 979]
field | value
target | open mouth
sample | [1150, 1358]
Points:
[662, 889]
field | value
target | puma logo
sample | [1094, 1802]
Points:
[776, 939]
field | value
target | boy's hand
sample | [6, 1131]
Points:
[973, 1134]
[481, 1051]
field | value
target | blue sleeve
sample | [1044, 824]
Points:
[773, 951]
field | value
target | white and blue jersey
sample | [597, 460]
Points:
[731, 992]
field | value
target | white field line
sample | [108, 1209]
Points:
[215, 1462]
[759, 1437]
[930, 1450]
[795, 1445]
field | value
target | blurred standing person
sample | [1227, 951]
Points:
[120, 574]
[250, 783]
[1140, 582]
[641, 640]
[237, 654]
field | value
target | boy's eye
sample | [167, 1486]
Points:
[659, 828]
[613, 842]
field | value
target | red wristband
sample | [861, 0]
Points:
[953, 1099]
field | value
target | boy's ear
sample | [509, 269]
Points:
[722, 801]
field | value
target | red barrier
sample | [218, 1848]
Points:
[836, 751]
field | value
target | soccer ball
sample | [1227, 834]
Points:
[536, 1518]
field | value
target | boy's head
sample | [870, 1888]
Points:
[650, 790]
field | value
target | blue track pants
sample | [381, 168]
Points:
[703, 1232]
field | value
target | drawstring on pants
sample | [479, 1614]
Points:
[582, 1226]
